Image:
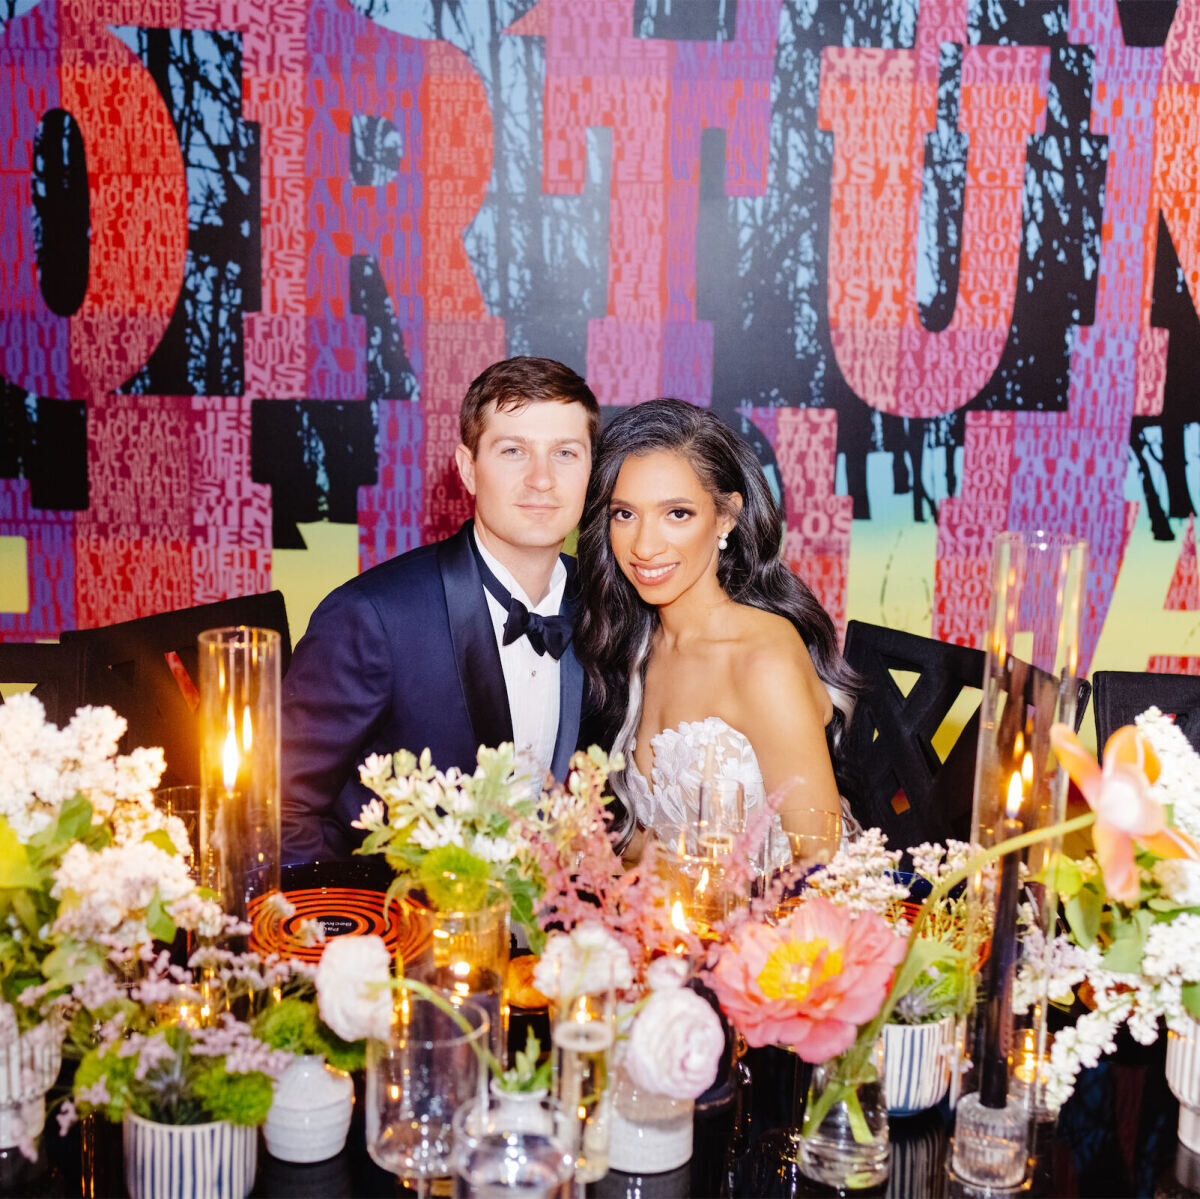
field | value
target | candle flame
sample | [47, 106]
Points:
[247, 731]
[678, 920]
[229, 760]
[1027, 770]
[1016, 795]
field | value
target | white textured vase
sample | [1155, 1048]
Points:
[651, 1133]
[310, 1116]
[29, 1064]
[1183, 1077]
[188, 1161]
[917, 1065]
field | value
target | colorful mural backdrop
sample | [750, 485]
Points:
[938, 260]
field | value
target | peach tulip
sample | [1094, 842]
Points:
[1126, 811]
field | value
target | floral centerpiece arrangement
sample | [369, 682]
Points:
[827, 972]
[92, 872]
[1131, 947]
[169, 1047]
[453, 835]
[193, 1061]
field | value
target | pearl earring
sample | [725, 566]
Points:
[723, 541]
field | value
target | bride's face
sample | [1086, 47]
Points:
[664, 526]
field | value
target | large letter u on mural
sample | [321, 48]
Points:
[879, 105]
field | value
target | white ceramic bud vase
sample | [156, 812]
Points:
[29, 1064]
[651, 1133]
[1183, 1077]
[310, 1116]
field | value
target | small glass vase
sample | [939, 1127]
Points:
[844, 1138]
[463, 949]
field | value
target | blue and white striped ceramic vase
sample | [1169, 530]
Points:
[1183, 1077]
[188, 1161]
[917, 1059]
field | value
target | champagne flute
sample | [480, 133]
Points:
[429, 1066]
[582, 1037]
[720, 817]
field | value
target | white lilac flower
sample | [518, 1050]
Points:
[1178, 782]
[107, 894]
[1179, 879]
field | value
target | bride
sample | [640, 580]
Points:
[698, 641]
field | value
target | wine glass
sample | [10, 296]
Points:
[430, 1065]
[813, 834]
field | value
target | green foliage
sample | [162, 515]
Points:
[1084, 910]
[238, 1098]
[117, 1073]
[162, 839]
[1063, 874]
[158, 920]
[1128, 941]
[16, 870]
[453, 879]
[288, 1024]
[526, 1074]
[28, 957]
[341, 1055]
[294, 1024]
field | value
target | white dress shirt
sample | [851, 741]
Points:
[530, 679]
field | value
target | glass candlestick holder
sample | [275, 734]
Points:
[239, 763]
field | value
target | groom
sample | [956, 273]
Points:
[457, 644]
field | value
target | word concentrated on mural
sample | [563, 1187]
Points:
[251, 255]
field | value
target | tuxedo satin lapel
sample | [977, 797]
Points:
[570, 686]
[479, 671]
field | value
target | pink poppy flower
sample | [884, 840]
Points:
[809, 981]
[1119, 794]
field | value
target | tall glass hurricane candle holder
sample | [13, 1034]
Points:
[1030, 683]
[239, 762]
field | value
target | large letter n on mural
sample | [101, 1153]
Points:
[880, 104]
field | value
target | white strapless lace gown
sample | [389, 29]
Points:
[667, 801]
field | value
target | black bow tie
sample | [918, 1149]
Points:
[547, 634]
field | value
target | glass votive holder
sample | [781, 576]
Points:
[518, 1144]
[991, 1144]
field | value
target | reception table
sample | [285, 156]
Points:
[1116, 1137]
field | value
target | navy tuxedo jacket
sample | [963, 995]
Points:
[402, 657]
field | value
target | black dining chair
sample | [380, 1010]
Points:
[147, 670]
[1123, 694]
[899, 782]
[55, 669]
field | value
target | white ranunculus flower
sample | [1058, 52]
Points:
[675, 1044]
[586, 961]
[667, 972]
[353, 991]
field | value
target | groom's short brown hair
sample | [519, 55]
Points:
[515, 382]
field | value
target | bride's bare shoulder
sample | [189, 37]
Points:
[774, 663]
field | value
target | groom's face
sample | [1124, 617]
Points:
[529, 474]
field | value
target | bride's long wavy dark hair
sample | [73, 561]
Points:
[615, 624]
